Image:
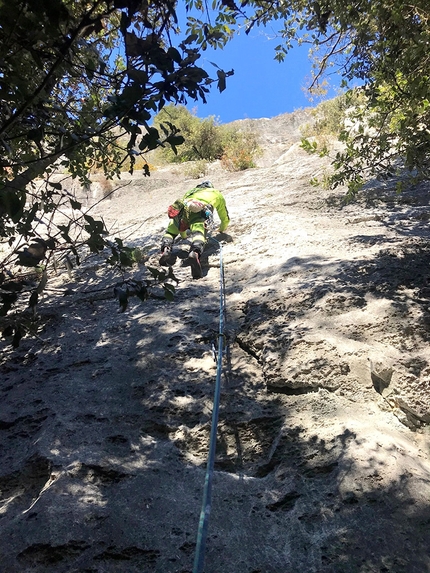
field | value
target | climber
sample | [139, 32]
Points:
[193, 212]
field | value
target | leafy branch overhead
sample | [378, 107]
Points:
[143, 289]
[80, 83]
[381, 51]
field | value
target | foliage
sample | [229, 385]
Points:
[329, 120]
[201, 137]
[206, 140]
[142, 288]
[383, 138]
[80, 82]
[383, 45]
[240, 150]
[328, 117]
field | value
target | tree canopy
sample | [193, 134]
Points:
[73, 70]
[80, 82]
[383, 45]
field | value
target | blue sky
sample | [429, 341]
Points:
[260, 86]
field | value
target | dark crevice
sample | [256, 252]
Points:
[291, 391]
[128, 554]
[320, 470]
[287, 390]
[247, 349]
[286, 503]
[47, 554]
[99, 475]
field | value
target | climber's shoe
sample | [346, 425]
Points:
[167, 259]
[193, 261]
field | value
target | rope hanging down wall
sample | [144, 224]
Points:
[207, 492]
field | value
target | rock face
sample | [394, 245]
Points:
[323, 451]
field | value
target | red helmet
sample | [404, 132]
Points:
[175, 209]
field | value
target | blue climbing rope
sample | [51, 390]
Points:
[207, 492]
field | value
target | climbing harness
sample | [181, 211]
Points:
[207, 492]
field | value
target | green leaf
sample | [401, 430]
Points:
[126, 258]
[90, 69]
[43, 282]
[33, 300]
[94, 226]
[75, 204]
[138, 76]
[150, 140]
[142, 292]
[310, 147]
[125, 20]
[35, 134]
[222, 75]
[17, 336]
[168, 295]
[8, 331]
[174, 54]
[221, 80]
[57, 186]
[7, 300]
[95, 243]
[122, 295]
[190, 39]
[26, 223]
[154, 272]
[65, 229]
[174, 140]
[13, 203]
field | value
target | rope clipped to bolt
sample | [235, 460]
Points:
[207, 492]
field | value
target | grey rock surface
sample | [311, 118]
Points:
[323, 452]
